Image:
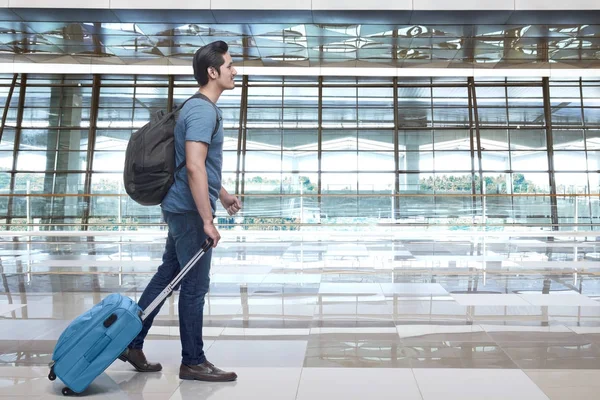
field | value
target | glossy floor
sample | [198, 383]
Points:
[309, 316]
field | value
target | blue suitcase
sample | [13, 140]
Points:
[95, 339]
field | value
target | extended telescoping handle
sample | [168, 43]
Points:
[167, 291]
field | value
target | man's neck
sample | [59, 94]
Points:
[211, 92]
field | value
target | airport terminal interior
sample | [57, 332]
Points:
[420, 190]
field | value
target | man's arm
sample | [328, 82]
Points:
[231, 203]
[223, 193]
[195, 155]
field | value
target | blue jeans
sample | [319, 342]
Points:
[186, 236]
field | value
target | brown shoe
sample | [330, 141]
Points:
[137, 358]
[205, 372]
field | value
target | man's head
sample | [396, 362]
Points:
[213, 63]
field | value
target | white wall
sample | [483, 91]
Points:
[374, 5]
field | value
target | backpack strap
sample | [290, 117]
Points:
[199, 95]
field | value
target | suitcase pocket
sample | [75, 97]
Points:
[97, 348]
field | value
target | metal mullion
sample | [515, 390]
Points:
[7, 105]
[244, 135]
[478, 141]
[510, 153]
[241, 128]
[357, 128]
[433, 144]
[170, 93]
[20, 109]
[239, 141]
[470, 93]
[584, 125]
[281, 146]
[506, 83]
[550, 143]
[56, 146]
[90, 149]
[320, 145]
[60, 171]
[396, 153]
[56, 85]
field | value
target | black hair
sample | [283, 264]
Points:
[211, 55]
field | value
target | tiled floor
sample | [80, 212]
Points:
[303, 317]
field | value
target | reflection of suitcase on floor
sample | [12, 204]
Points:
[96, 338]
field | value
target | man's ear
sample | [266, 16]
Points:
[212, 73]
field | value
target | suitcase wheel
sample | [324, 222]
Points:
[52, 375]
[67, 392]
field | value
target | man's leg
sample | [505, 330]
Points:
[194, 287]
[164, 275]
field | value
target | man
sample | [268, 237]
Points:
[189, 209]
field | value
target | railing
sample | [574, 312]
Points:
[437, 211]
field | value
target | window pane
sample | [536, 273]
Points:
[339, 161]
[300, 139]
[416, 161]
[339, 182]
[569, 161]
[523, 139]
[592, 138]
[495, 160]
[526, 116]
[113, 139]
[52, 160]
[415, 140]
[376, 161]
[52, 139]
[592, 116]
[562, 115]
[452, 161]
[568, 139]
[452, 139]
[263, 138]
[300, 161]
[527, 182]
[496, 139]
[263, 182]
[492, 116]
[263, 161]
[529, 161]
[6, 160]
[451, 116]
[109, 161]
[415, 117]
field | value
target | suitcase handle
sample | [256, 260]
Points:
[167, 291]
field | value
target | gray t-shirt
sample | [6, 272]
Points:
[196, 122]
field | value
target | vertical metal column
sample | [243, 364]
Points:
[396, 153]
[243, 130]
[20, 109]
[470, 87]
[90, 150]
[550, 142]
[170, 94]
[320, 146]
[473, 97]
[7, 105]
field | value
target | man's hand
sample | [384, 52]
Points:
[212, 232]
[231, 203]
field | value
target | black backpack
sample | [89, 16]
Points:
[149, 168]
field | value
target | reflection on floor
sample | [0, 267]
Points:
[313, 317]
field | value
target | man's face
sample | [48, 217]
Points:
[228, 73]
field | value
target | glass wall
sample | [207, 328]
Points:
[334, 151]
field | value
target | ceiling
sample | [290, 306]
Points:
[492, 39]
